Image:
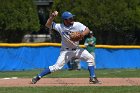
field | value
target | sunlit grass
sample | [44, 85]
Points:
[72, 89]
[74, 73]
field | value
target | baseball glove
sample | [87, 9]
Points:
[76, 36]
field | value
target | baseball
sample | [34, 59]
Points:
[55, 12]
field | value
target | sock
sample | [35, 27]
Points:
[44, 72]
[91, 71]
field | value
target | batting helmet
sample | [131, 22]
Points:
[67, 15]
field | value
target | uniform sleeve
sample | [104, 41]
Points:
[55, 26]
[81, 27]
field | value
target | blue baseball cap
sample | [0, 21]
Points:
[67, 15]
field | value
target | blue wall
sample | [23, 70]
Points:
[118, 58]
[26, 58]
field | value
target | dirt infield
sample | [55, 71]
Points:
[18, 82]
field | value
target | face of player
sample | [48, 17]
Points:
[91, 35]
[68, 22]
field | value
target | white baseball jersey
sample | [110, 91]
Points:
[67, 47]
[65, 32]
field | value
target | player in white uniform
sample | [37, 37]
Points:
[69, 49]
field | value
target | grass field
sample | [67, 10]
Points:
[107, 73]
[85, 89]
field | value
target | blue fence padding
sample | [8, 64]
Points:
[26, 58]
[118, 58]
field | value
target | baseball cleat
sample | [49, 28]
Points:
[35, 79]
[94, 80]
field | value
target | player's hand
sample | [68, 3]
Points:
[54, 14]
[90, 44]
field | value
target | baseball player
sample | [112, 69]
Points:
[69, 48]
[90, 43]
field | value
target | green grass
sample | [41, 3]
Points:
[75, 74]
[73, 89]
[107, 73]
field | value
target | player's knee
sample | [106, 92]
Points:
[54, 68]
[91, 64]
[91, 61]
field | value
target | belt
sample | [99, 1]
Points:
[72, 49]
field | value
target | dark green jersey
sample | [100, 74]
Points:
[90, 44]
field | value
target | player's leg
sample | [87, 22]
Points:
[62, 59]
[93, 54]
[86, 56]
[77, 61]
[40, 75]
[69, 64]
